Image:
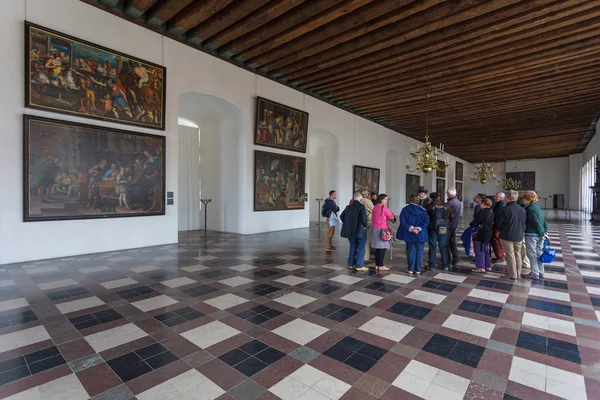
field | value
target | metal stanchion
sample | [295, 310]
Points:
[319, 212]
[205, 202]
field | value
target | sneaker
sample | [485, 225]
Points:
[410, 272]
[445, 269]
[531, 276]
[417, 273]
[330, 249]
[508, 278]
[498, 260]
[541, 276]
[362, 269]
[351, 267]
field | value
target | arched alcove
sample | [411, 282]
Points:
[323, 161]
[220, 159]
[393, 171]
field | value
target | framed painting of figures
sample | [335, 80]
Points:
[442, 173]
[280, 126]
[440, 187]
[412, 186]
[459, 191]
[280, 182]
[459, 171]
[71, 76]
[527, 179]
[78, 171]
[365, 178]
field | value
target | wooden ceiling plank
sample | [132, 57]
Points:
[164, 10]
[194, 14]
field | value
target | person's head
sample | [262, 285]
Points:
[513, 195]
[374, 196]
[439, 202]
[358, 196]
[422, 192]
[434, 196]
[332, 194]
[382, 198]
[366, 194]
[415, 198]
[530, 198]
[486, 203]
[451, 192]
[477, 198]
[500, 196]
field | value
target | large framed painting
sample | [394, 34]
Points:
[365, 178]
[459, 191]
[459, 171]
[68, 75]
[280, 126]
[442, 173]
[279, 183]
[78, 171]
[527, 179]
[412, 186]
[440, 187]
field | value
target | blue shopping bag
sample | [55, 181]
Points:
[548, 254]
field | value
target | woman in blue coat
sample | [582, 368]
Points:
[413, 230]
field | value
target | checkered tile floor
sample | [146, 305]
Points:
[273, 316]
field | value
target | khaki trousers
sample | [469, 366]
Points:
[526, 264]
[329, 235]
[368, 244]
[514, 262]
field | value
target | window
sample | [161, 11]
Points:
[588, 175]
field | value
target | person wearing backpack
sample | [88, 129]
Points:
[413, 230]
[327, 209]
[439, 222]
[482, 236]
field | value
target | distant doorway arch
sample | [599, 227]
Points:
[392, 181]
[323, 165]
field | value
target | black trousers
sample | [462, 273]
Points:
[379, 257]
[452, 247]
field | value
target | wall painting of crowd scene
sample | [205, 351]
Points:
[280, 126]
[77, 171]
[279, 182]
[68, 75]
[365, 178]
[412, 186]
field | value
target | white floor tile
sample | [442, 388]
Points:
[13, 303]
[242, 267]
[594, 263]
[290, 267]
[549, 294]
[212, 333]
[411, 383]
[145, 268]
[489, 295]
[115, 337]
[57, 284]
[247, 258]
[289, 389]
[549, 323]
[386, 328]
[469, 325]
[346, 280]
[555, 276]
[366, 299]
[119, 283]
[187, 386]
[398, 278]
[25, 337]
[77, 305]
[40, 270]
[591, 274]
[206, 258]
[7, 283]
[91, 270]
[67, 387]
[154, 302]
[236, 281]
[291, 280]
[426, 297]
[450, 277]
[331, 388]
[436, 392]
[194, 268]
[295, 300]
[593, 290]
[548, 379]
[598, 315]
[226, 301]
[300, 331]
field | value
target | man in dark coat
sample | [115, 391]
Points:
[512, 231]
[329, 207]
[498, 211]
[423, 199]
[456, 207]
[354, 225]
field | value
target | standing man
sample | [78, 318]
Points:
[512, 231]
[456, 206]
[366, 201]
[329, 207]
[354, 228]
[374, 198]
[423, 199]
[498, 211]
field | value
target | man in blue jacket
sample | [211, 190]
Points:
[456, 206]
[330, 207]
[512, 231]
[354, 228]
[413, 230]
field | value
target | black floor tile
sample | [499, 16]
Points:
[382, 287]
[131, 371]
[550, 307]
[42, 355]
[250, 366]
[267, 273]
[46, 364]
[215, 273]
[355, 353]
[17, 318]
[14, 374]
[150, 351]
[135, 292]
[360, 362]
[161, 360]
[12, 364]
[455, 350]
[234, 357]
[409, 310]
[591, 281]
[200, 290]
[270, 355]
[551, 347]
[253, 347]
[324, 288]
[550, 284]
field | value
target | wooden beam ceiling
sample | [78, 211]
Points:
[503, 79]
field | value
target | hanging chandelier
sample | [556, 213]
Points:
[509, 184]
[426, 155]
[483, 172]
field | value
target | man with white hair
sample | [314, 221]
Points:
[512, 231]
[456, 206]
[366, 201]
[354, 228]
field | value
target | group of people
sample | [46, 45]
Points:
[515, 231]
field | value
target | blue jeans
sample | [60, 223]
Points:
[357, 252]
[414, 253]
[434, 241]
[535, 248]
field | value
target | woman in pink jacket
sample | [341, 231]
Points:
[381, 215]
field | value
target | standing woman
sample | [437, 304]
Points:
[381, 215]
[482, 223]
[536, 231]
[413, 230]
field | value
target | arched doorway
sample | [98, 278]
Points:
[393, 188]
[218, 157]
[323, 162]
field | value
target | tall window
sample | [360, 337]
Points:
[587, 180]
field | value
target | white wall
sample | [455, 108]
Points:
[188, 71]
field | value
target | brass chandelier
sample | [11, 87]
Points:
[483, 172]
[426, 155]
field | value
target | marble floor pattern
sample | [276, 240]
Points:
[273, 316]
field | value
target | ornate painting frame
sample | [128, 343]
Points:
[71, 171]
[440, 187]
[459, 191]
[459, 171]
[280, 126]
[362, 179]
[271, 185]
[526, 178]
[412, 186]
[68, 75]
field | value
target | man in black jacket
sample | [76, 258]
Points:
[498, 210]
[512, 231]
[329, 207]
[354, 225]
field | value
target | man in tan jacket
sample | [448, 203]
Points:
[369, 207]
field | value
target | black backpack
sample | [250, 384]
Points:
[324, 211]
[440, 220]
